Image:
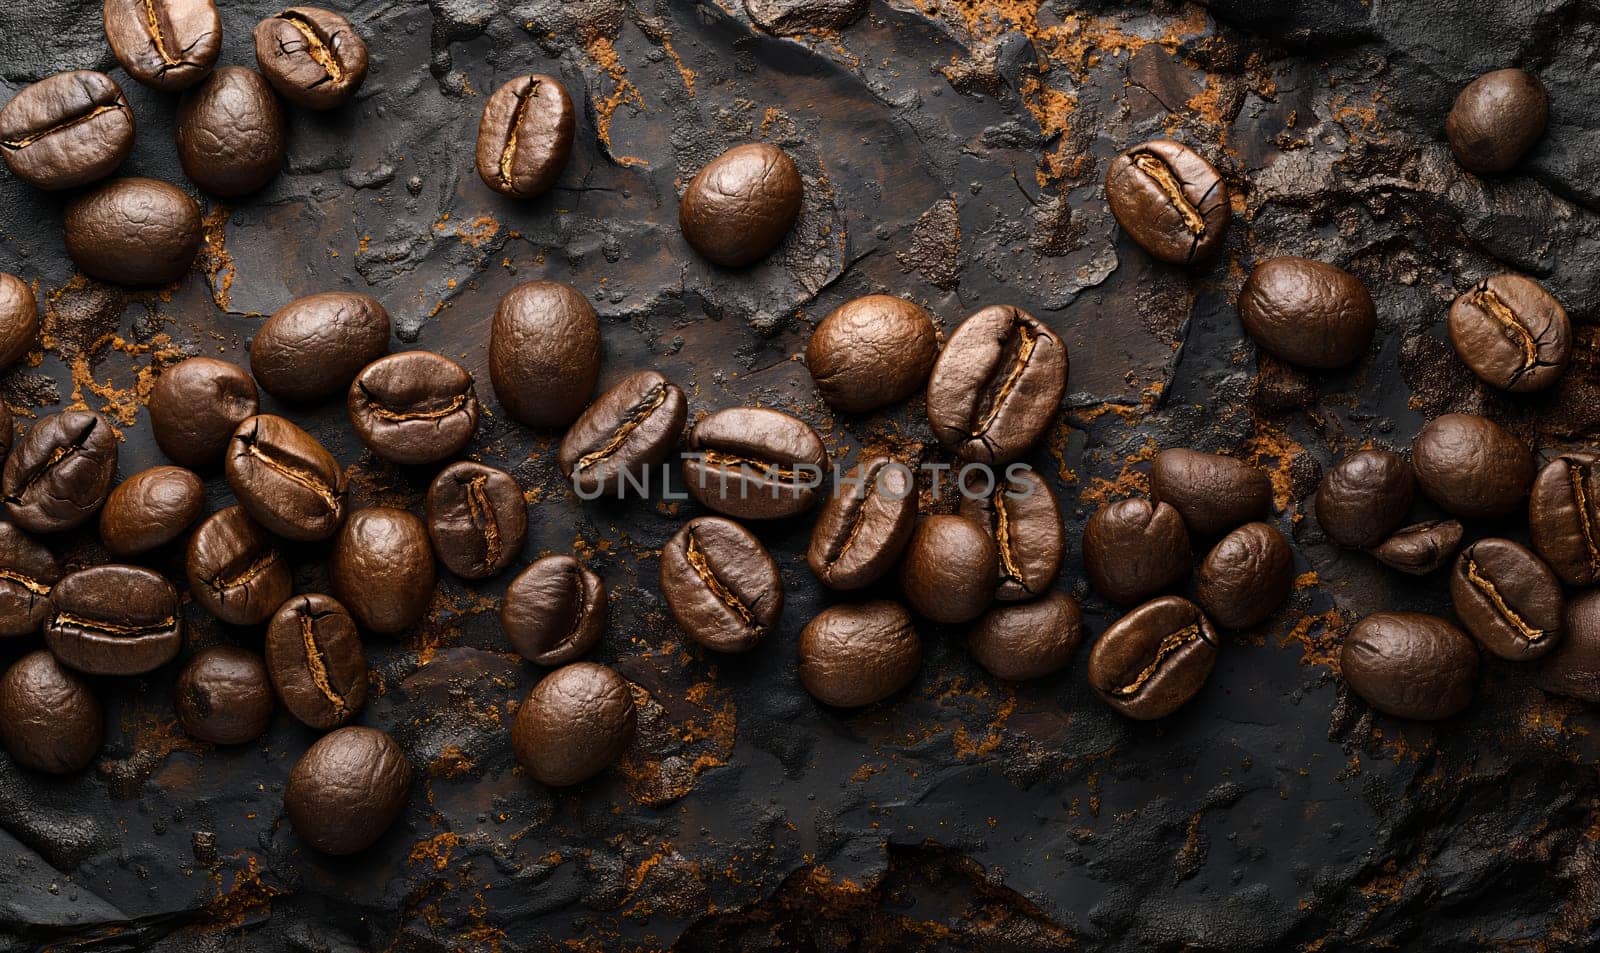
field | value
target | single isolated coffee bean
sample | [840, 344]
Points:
[871, 352]
[19, 324]
[414, 407]
[316, 661]
[28, 572]
[134, 232]
[1246, 576]
[1029, 639]
[235, 572]
[1421, 548]
[1153, 660]
[1496, 119]
[554, 611]
[66, 130]
[1573, 667]
[1364, 497]
[313, 57]
[1564, 517]
[754, 463]
[224, 696]
[477, 519]
[1508, 599]
[623, 436]
[862, 529]
[996, 386]
[1133, 549]
[347, 790]
[114, 620]
[951, 569]
[1307, 313]
[231, 133]
[525, 136]
[49, 719]
[1169, 200]
[1213, 493]
[286, 479]
[1512, 333]
[1020, 512]
[721, 584]
[59, 473]
[739, 207]
[313, 347]
[576, 722]
[857, 655]
[1410, 665]
[382, 569]
[196, 406]
[165, 44]
[1471, 466]
[150, 509]
[544, 353]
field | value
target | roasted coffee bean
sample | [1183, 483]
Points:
[234, 570]
[574, 724]
[1573, 667]
[316, 661]
[347, 790]
[1133, 549]
[382, 569]
[1153, 660]
[739, 207]
[951, 569]
[871, 352]
[165, 44]
[150, 509]
[628, 431]
[1410, 665]
[285, 478]
[1512, 333]
[1169, 200]
[59, 473]
[856, 655]
[1471, 466]
[865, 525]
[19, 323]
[525, 136]
[544, 353]
[134, 232]
[1212, 493]
[554, 611]
[1507, 598]
[224, 696]
[477, 519]
[27, 574]
[721, 585]
[1421, 548]
[1564, 517]
[313, 57]
[196, 406]
[1363, 497]
[753, 463]
[49, 719]
[1307, 313]
[1029, 639]
[231, 133]
[1246, 576]
[996, 386]
[1496, 119]
[1020, 512]
[66, 130]
[114, 620]
[414, 407]
[313, 347]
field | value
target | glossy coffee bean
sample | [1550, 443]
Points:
[382, 569]
[1363, 497]
[134, 232]
[525, 136]
[1564, 517]
[235, 572]
[165, 44]
[996, 386]
[1028, 639]
[196, 406]
[1512, 333]
[856, 655]
[316, 661]
[150, 509]
[224, 696]
[231, 133]
[1213, 493]
[576, 722]
[477, 519]
[1471, 466]
[554, 611]
[49, 719]
[28, 572]
[739, 207]
[313, 57]
[1020, 512]
[1133, 549]
[285, 478]
[1507, 598]
[1307, 313]
[721, 584]
[347, 790]
[66, 130]
[544, 353]
[1169, 200]
[414, 407]
[754, 463]
[114, 620]
[1421, 548]
[59, 473]
[1573, 667]
[1153, 660]
[871, 352]
[862, 529]
[313, 347]
[1496, 119]
[19, 323]
[951, 569]
[621, 439]
[1410, 665]
[1246, 576]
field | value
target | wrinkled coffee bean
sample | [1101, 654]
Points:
[234, 570]
[951, 569]
[1212, 493]
[316, 661]
[554, 611]
[231, 133]
[1133, 549]
[1508, 599]
[134, 232]
[1169, 200]
[224, 696]
[996, 386]
[856, 655]
[1028, 640]
[1020, 512]
[1363, 497]
[196, 406]
[1421, 548]
[865, 525]
[477, 519]
[59, 473]
[574, 724]
[19, 325]
[28, 572]
[1471, 466]
[623, 436]
[114, 620]
[150, 509]
[754, 463]
[314, 346]
[1153, 660]
[382, 569]
[721, 585]
[1307, 313]
[286, 479]
[313, 57]
[49, 719]
[525, 136]
[1246, 576]
[739, 207]
[1573, 667]
[66, 130]
[1410, 665]
[544, 353]
[347, 790]
[1564, 517]
[414, 407]
[1496, 119]
[1512, 333]
[871, 352]
[165, 44]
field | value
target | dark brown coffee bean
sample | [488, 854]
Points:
[1212, 493]
[414, 407]
[150, 509]
[66, 130]
[525, 136]
[856, 655]
[231, 133]
[1471, 466]
[224, 696]
[1421, 548]
[27, 574]
[49, 719]
[286, 479]
[477, 519]
[544, 353]
[1512, 333]
[1246, 576]
[1508, 599]
[1496, 119]
[234, 570]
[316, 660]
[196, 406]
[865, 525]
[1564, 517]
[1410, 665]
[1153, 660]
[114, 620]
[721, 585]
[1029, 639]
[574, 724]
[554, 611]
[1169, 200]
[165, 44]
[871, 352]
[19, 324]
[347, 790]
[754, 463]
[1020, 512]
[313, 57]
[1307, 313]
[1133, 549]
[1363, 497]
[739, 207]
[313, 347]
[951, 569]
[996, 386]
[382, 569]
[59, 473]
[625, 433]
[134, 232]
[1573, 668]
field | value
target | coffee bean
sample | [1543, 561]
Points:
[857, 655]
[1496, 119]
[754, 463]
[150, 509]
[1028, 639]
[525, 136]
[1421, 548]
[574, 724]
[1471, 466]
[1507, 598]
[49, 719]
[313, 57]
[134, 232]
[554, 611]
[1573, 667]
[1133, 549]
[1564, 517]
[231, 133]
[1020, 512]
[1169, 200]
[739, 207]
[1246, 576]
[114, 620]
[477, 519]
[1512, 333]
[27, 573]
[313, 347]
[316, 661]
[66, 130]
[1153, 660]
[347, 790]
[951, 569]
[865, 525]
[224, 696]
[544, 353]
[165, 44]
[871, 352]
[1308, 313]
[382, 569]
[721, 585]
[414, 407]
[1363, 497]
[59, 473]
[1212, 493]
[285, 478]
[625, 433]
[196, 406]
[19, 322]
[996, 386]
[234, 570]
[1410, 665]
